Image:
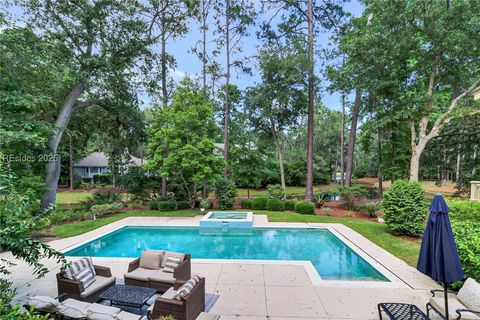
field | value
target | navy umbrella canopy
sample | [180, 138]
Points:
[438, 257]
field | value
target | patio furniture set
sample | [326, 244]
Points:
[463, 305]
[89, 292]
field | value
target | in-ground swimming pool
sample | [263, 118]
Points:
[329, 255]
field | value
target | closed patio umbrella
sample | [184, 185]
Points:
[438, 257]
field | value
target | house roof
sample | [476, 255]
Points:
[100, 159]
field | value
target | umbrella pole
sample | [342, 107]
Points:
[445, 288]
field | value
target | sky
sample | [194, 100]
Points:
[189, 64]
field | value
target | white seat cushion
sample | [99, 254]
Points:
[469, 295]
[100, 283]
[100, 312]
[208, 316]
[123, 315]
[151, 259]
[74, 309]
[141, 274]
[43, 303]
[161, 276]
[180, 256]
[453, 304]
[169, 294]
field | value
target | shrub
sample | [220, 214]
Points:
[275, 205]
[103, 178]
[153, 204]
[464, 210]
[371, 208]
[246, 203]
[60, 216]
[102, 197]
[467, 239]
[16, 312]
[225, 192]
[290, 205]
[182, 205]
[167, 205]
[305, 207]
[320, 199]
[99, 210]
[275, 191]
[327, 211]
[205, 204]
[404, 208]
[350, 193]
[259, 203]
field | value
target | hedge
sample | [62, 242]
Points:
[167, 206]
[467, 239]
[275, 205]
[182, 205]
[290, 205]
[99, 210]
[225, 191]
[464, 210]
[246, 203]
[260, 203]
[305, 207]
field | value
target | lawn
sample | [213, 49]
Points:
[406, 250]
[291, 190]
[72, 197]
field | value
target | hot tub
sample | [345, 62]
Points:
[227, 220]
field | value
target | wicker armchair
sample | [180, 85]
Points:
[158, 279]
[189, 308]
[68, 288]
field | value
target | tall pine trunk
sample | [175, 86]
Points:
[353, 136]
[164, 96]
[379, 168]
[279, 148]
[310, 107]
[53, 167]
[227, 84]
[342, 144]
[70, 160]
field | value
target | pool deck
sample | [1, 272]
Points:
[264, 289]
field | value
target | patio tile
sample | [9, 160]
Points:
[210, 271]
[348, 303]
[285, 275]
[294, 302]
[242, 274]
[240, 300]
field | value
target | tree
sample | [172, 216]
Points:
[98, 43]
[167, 20]
[425, 58]
[247, 168]
[237, 15]
[188, 128]
[277, 103]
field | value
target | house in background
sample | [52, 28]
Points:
[98, 163]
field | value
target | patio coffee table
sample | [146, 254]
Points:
[401, 311]
[128, 296]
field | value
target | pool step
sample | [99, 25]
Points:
[225, 226]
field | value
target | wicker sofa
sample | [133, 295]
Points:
[188, 308]
[152, 274]
[75, 289]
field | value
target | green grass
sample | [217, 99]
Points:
[72, 197]
[376, 232]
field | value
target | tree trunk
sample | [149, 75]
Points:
[415, 161]
[280, 154]
[342, 144]
[53, 168]
[458, 169]
[112, 159]
[227, 84]
[310, 107]
[204, 45]
[164, 92]
[475, 155]
[70, 156]
[379, 169]
[353, 136]
[335, 165]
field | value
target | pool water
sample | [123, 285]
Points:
[328, 254]
[228, 215]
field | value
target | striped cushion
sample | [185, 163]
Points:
[185, 290]
[77, 266]
[85, 276]
[171, 264]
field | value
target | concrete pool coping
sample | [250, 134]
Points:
[395, 270]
